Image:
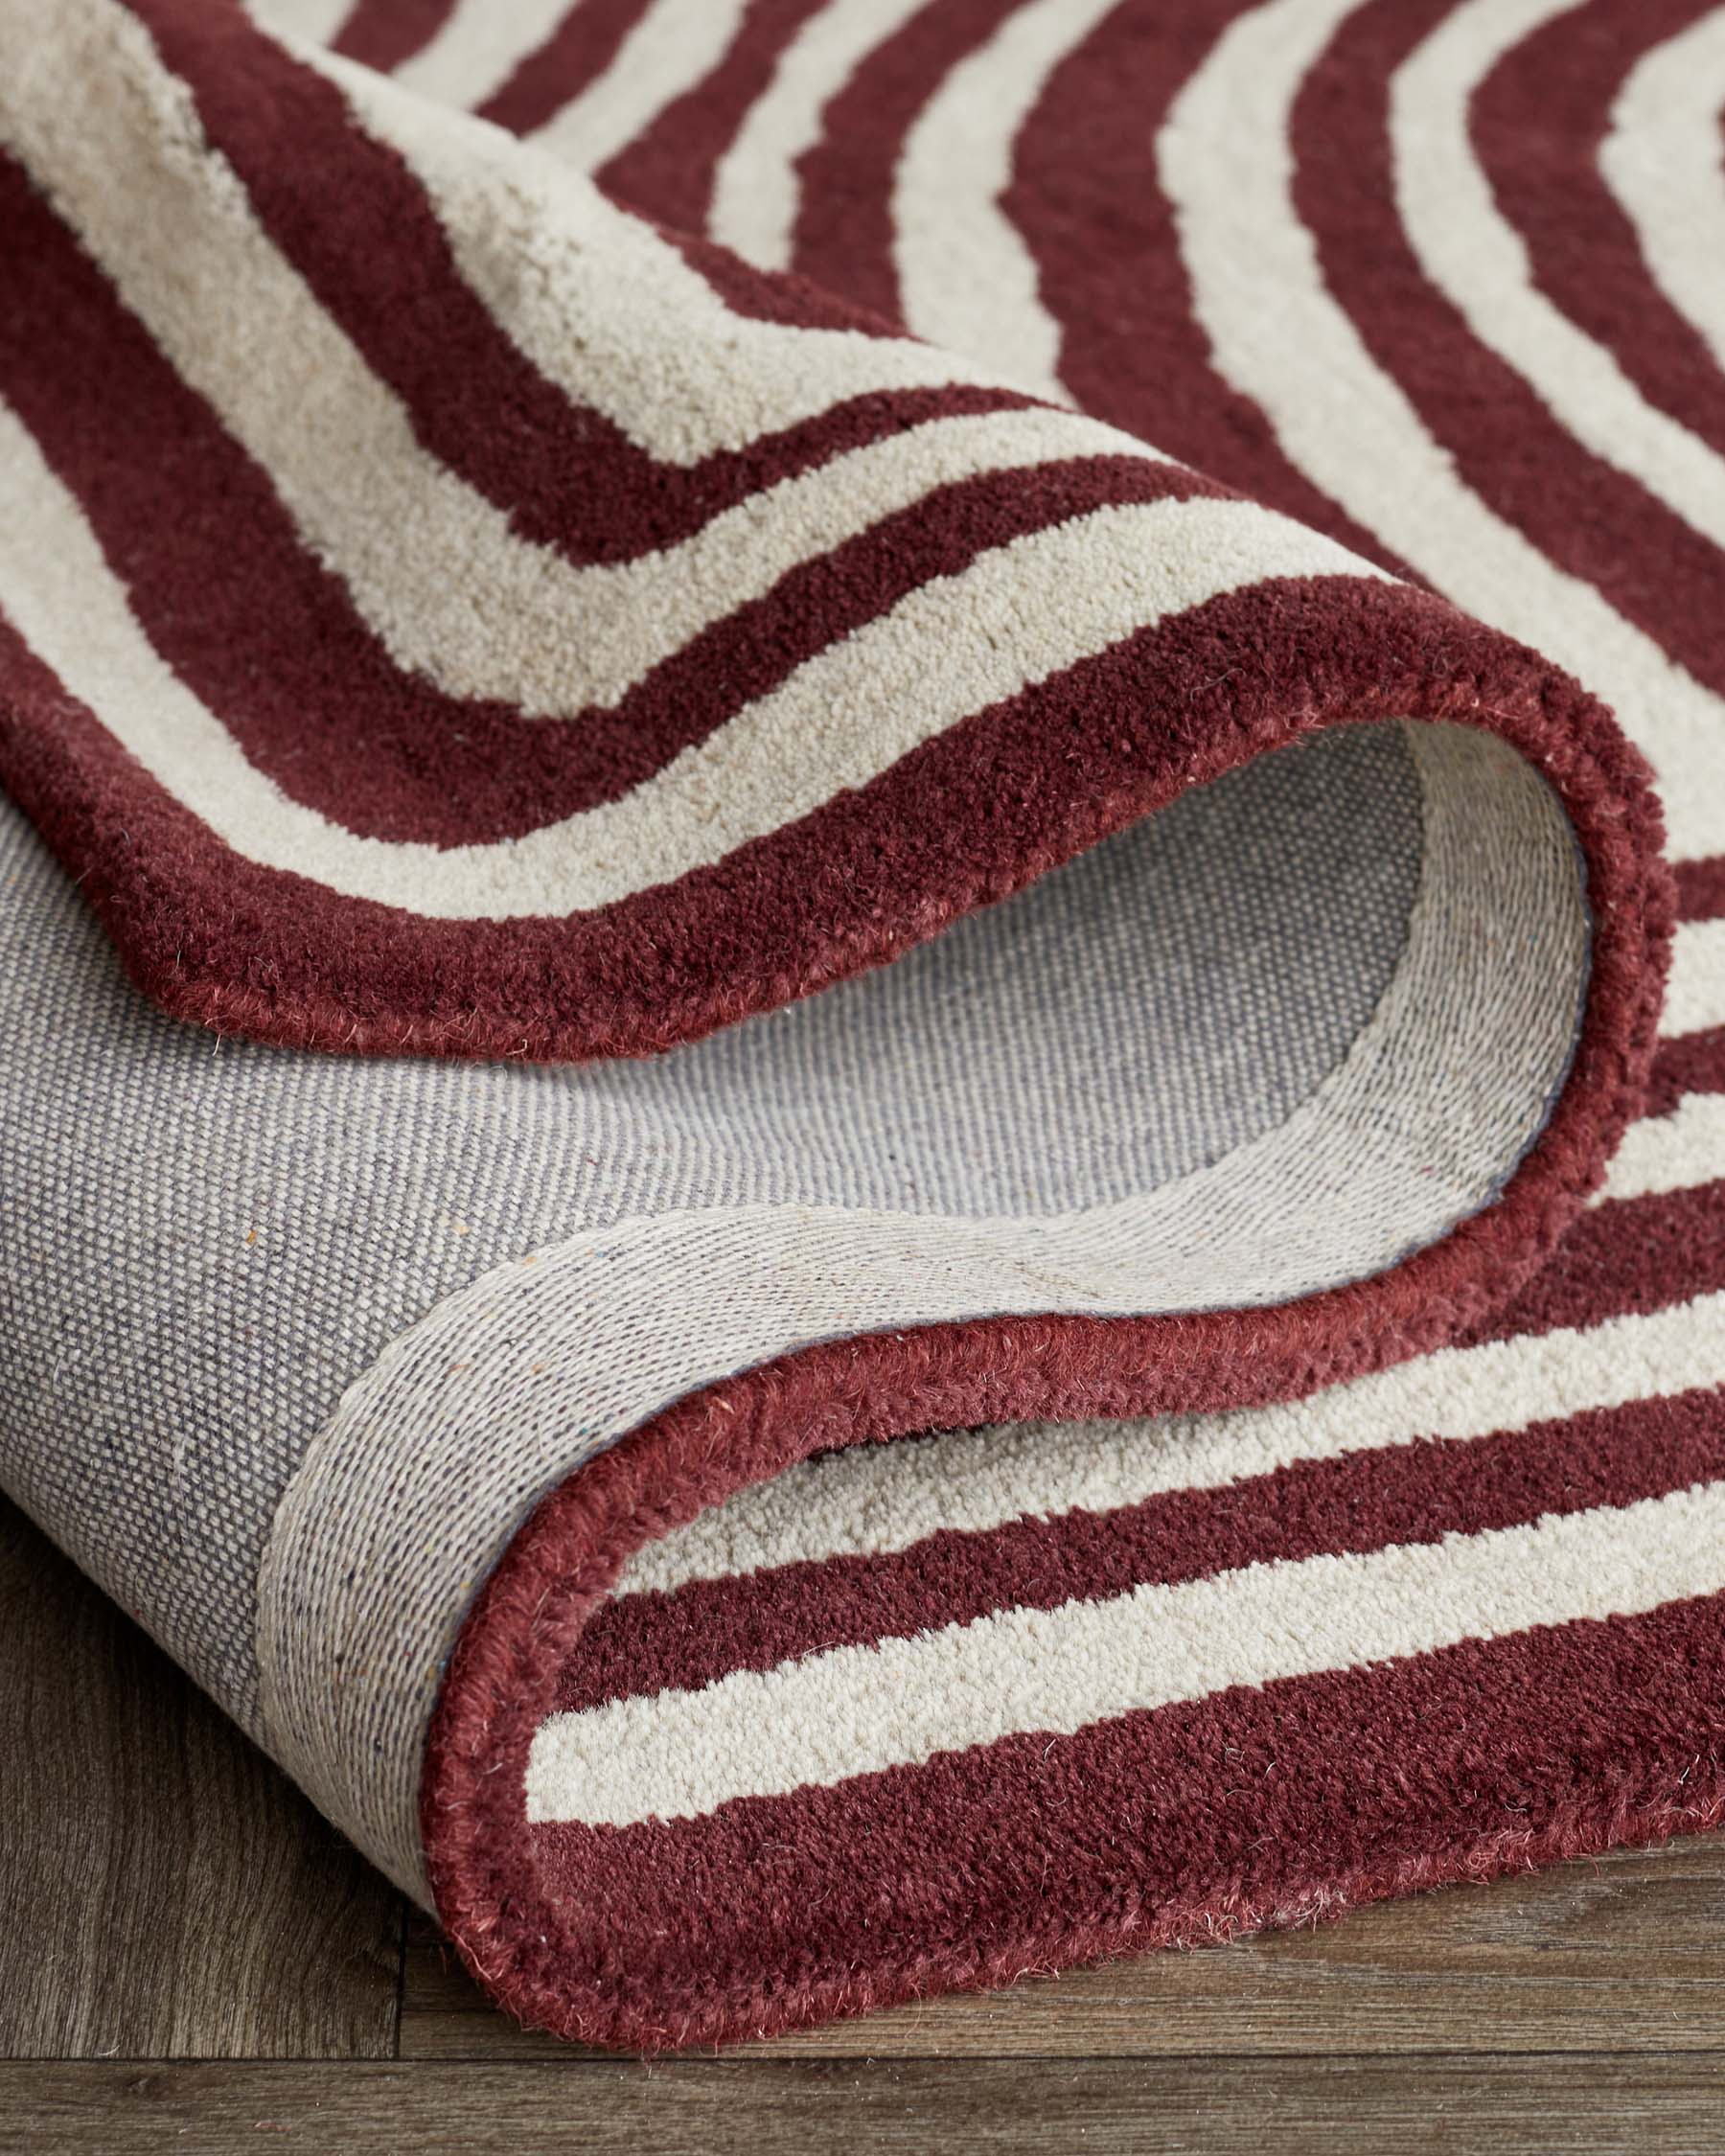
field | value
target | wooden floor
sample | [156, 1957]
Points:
[193, 1960]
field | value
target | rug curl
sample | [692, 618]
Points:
[841, 1188]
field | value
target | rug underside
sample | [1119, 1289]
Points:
[849, 1137]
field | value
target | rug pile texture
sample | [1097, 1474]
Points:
[863, 949]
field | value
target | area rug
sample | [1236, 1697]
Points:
[841, 1130]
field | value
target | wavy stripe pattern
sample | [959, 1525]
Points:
[966, 279]
[755, 189]
[1474, 256]
[1661, 161]
[567, 632]
[673, 45]
[858, 1711]
[1225, 163]
[670, 825]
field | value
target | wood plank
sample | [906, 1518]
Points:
[164, 1891]
[1625, 1953]
[1636, 2104]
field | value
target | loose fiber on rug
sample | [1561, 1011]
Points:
[863, 949]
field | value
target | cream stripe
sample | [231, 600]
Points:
[756, 190]
[1661, 161]
[1226, 165]
[182, 235]
[951, 647]
[857, 1711]
[1477, 259]
[317, 21]
[966, 279]
[1676, 1151]
[1695, 995]
[478, 47]
[672, 46]
[873, 1500]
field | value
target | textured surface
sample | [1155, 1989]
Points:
[570, 637]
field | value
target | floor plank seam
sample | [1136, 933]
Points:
[404, 1923]
[741, 2061]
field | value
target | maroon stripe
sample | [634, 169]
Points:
[1701, 890]
[345, 210]
[777, 297]
[1538, 120]
[383, 33]
[1251, 1807]
[844, 235]
[1637, 1255]
[1590, 520]
[1694, 1062]
[269, 640]
[1364, 1500]
[1087, 197]
[668, 171]
[578, 52]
